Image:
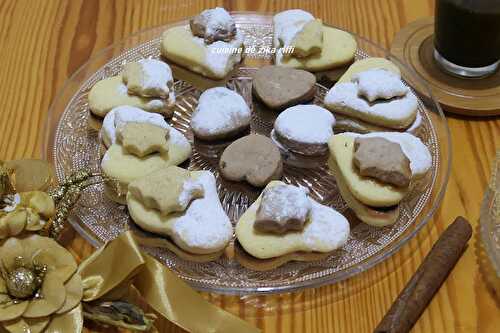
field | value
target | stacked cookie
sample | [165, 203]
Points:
[303, 42]
[370, 97]
[146, 84]
[211, 45]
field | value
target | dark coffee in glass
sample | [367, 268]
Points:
[467, 36]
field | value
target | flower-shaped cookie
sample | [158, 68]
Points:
[24, 211]
[38, 283]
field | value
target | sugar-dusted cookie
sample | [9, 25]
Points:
[379, 83]
[283, 208]
[418, 154]
[253, 158]
[112, 92]
[374, 201]
[382, 160]
[304, 129]
[121, 115]
[338, 50]
[221, 114]
[281, 87]
[168, 190]
[396, 113]
[287, 24]
[308, 41]
[202, 228]
[149, 78]
[324, 231]
[369, 215]
[142, 139]
[180, 46]
[366, 64]
[122, 165]
[213, 25]
[367, 190]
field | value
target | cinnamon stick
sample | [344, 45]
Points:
[419, 291]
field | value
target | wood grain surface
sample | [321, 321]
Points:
[44, 42]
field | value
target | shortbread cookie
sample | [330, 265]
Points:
[253, 158]
[124, 167]
[383, 160]
[347, 124]
[167, 190]
[283, 208]
[304, 129]
[203, 227]
[396, 113]
[308, 41]
[338, 49]
[325, 230]
[287, 24]
[369, 215]
[280, 87]
[221, 114]
[367, 190]
[378, 83]
[366, 64]
[418, 154]
[121, 115]
[149, 78]
[112, 92]
[142, 139]
[213, 25]
[214, 61]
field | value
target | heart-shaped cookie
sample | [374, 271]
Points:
[281, 87]
[253, 158]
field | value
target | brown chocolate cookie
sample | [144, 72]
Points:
[281, 87]
[253, 158]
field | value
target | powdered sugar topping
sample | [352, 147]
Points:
[305, 123]
[288, 24]
[220, 110]
[204, 224]
[379, 83]
[284, 202]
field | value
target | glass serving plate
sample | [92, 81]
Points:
[72, 143]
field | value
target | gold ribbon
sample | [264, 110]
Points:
[120, 264]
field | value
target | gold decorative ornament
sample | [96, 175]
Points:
[38, 282]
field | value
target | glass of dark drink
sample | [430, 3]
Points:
[467, 37]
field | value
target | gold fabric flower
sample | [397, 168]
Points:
[25, 211]
[38, 284]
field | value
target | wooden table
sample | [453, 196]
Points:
[44, 42]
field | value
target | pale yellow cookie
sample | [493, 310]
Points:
[211, 60]
[308, 41]
[324, 231]
[142, 139]
[338, 49]
[149, 78]
[112, 92]
[366, 64]
[368, 215]
[368, 191]
[124, 168]
[202, 228]
[168, 190]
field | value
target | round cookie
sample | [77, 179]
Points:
[253, 158]
[221, 114]
[281, 87]
[304, 129]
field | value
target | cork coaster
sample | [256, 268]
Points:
[414, 45]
